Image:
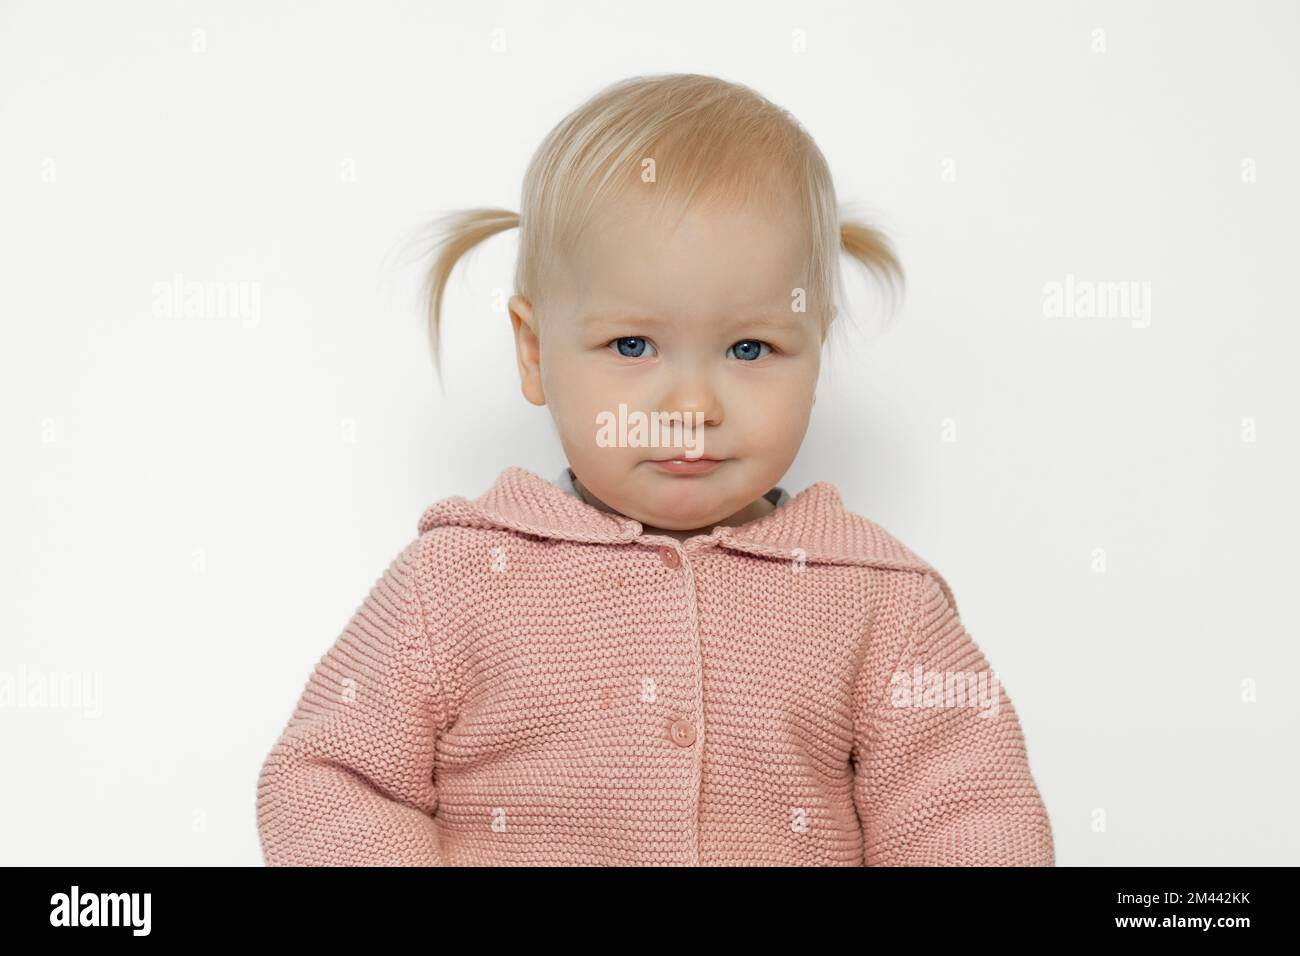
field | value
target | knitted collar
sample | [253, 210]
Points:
[813, 524]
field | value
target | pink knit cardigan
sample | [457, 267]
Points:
[534, 681]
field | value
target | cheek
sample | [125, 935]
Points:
[580, 397]
[775, 404]
[590, 383]
[783, 393]
[776, 423]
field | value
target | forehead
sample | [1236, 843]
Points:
[711, 260]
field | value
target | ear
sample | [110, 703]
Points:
[527, 349]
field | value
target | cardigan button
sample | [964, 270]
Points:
[683, 732]
[669, 557]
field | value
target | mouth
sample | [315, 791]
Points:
[687, 466]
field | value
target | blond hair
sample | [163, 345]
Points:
[701, 137]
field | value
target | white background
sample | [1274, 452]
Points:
[185, 517]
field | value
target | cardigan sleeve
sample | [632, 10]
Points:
[351, 779]
[941, 773]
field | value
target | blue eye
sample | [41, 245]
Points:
[747, 350]
[631, 346]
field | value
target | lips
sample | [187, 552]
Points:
[687, 466]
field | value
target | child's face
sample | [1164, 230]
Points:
[698, 319]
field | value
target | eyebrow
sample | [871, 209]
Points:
[774, 320]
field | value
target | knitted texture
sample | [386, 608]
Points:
[535, 681]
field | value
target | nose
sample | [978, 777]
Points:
[692, 393]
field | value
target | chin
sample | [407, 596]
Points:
[673, 517]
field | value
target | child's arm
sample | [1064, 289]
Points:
[350, 781]
[943, 785]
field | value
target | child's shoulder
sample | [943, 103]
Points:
[888, 551]
[844, 536]
[452, 536]
[816, 526]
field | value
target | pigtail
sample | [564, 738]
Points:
[455, 234]
[873, 250]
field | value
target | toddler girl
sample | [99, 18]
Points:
[660, 657]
